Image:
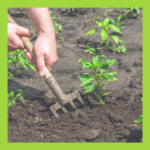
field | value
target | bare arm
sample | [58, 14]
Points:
[45, 48]
[42, 20]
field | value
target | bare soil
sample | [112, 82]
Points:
[112, 122]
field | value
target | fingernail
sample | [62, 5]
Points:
[41, 73]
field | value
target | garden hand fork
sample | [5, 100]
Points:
[52, 83]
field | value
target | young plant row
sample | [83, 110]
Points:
[18, 60]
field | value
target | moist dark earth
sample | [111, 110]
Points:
[112, 122]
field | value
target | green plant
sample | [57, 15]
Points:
[12, 97]
[119, 49]
[131, 10]
[55, 23]
[97, 73]
[19, 61]
[104, 32]
[108, 12]
[89, 50]
[10, 76]
[85, 16]
[37, 119]
[72, 10]
[61, 38]
[117, 22]
[95, 18]
[140, 119]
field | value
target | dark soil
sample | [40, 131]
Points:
[112, 122]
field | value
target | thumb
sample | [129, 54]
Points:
[23, 31]
[40, 65]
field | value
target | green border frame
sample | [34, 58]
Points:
[77, 3]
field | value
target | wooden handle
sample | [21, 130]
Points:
[27, 43]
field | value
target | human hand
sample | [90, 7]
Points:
[14, 33]
[45, 50]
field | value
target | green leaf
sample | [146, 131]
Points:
[106, 93]
[55, 24]
[33, 27]
[101, 102]
[114, 28]
[115, 38]
[86, 64]
[11, 94]
[86, 79]
[95, 60]
[11, 75]
[60, 27]
[31, 66]
[105, 22]
[80, 60]
[91, 32]
[110, 73]
[113, 21]
[137, 9]
[99, 48]
[51, 12]
[111, 62]
[12, 102]
[124, 50]
[89, 88]
[119, 18]
[23, 60]
[104, 34]
[111, 79]
[104, 66]
[139, 120]
[103, 84]
[18, 95]
[24, 91]
[99, 23]
[104, 56]
[10, 52]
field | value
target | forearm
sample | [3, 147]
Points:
[42, 20]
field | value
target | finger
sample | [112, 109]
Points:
[30, 57]
[23, 31]
[40, 65]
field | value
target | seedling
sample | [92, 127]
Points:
[140, 119]
[10, 76]
[117, 22]
[85, 16]
[55, 23]
[12, 97]
[37, 119]
[119, 49]
[95, 18]
[72, 10]
[131, 9]
[61, 38]
[89, 50]
[19, 61]
[97, 73]
[108, 12]
[104, 32]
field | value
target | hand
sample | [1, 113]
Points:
[45, 50]
[14, 41]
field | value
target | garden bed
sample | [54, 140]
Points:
[112, 122]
